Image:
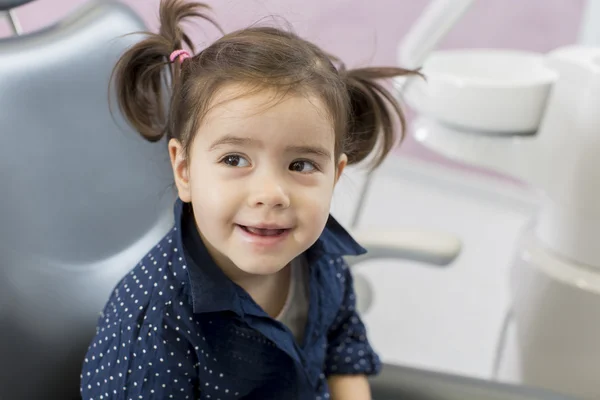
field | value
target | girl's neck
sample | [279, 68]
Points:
[268, 291]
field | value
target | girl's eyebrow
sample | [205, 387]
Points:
[313, 150]
[246, 141]
[234, 140]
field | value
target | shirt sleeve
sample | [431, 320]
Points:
[349, 351]
[138, 360]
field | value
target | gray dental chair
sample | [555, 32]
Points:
[83, 198]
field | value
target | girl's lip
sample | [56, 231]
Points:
[265, 226]
[262, 240]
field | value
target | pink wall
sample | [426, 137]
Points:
[367, 32]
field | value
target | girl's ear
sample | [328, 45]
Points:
[179, 163]
[342, 162]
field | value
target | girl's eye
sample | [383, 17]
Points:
[303, 166]
[234, 160]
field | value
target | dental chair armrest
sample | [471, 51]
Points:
[428, 247]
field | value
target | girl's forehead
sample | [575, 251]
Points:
[267, 112]
[244, 102]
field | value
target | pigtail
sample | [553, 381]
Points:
[371, 127]
[138, 75]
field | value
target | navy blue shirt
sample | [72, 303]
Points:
[177, 328]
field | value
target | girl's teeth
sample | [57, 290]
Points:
[264, 232]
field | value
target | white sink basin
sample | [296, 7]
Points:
[490, 90]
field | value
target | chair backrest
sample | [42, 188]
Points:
[83, 197]
[6, 5]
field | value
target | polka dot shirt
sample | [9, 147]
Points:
[176, 328]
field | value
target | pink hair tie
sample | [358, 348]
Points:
[179, 54]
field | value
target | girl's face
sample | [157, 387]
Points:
[260, 177]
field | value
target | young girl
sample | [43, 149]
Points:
[248, 296]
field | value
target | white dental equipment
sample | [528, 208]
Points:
[534, 117]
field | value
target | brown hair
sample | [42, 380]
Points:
[260, 58]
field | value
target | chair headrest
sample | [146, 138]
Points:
[6, 5]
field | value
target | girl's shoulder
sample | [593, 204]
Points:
[156, 285]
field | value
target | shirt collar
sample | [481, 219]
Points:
[212, 291]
